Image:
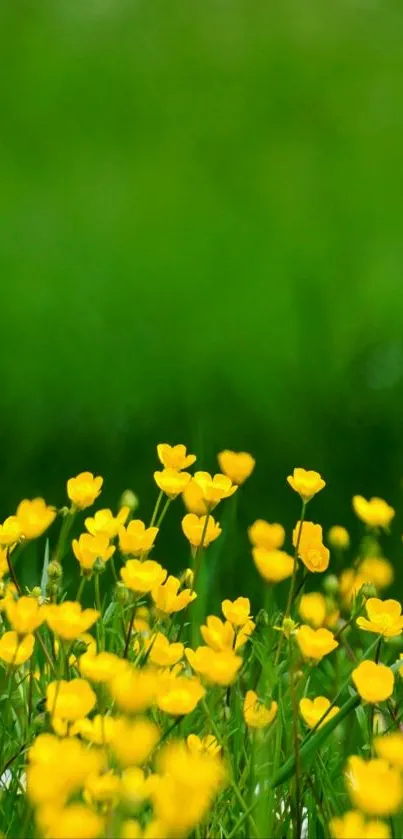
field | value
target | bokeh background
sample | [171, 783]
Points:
[201, 241]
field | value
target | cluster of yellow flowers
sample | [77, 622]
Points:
[128, 718]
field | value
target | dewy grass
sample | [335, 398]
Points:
[138, 714]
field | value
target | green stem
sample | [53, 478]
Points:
[156, 508]
[163, 512]
[293, 581]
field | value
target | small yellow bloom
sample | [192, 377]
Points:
[68, 620]
[384, 617]
[101, 667]
[215, 488]
[58, 768]
[307, 533]
[137, 539]
[315, 643]
[374, 786]
[171, 481]
[24, 614]
[274, 566]
[76, 821]
[265, 535]
[193, 499]
[89, 548]
[84, 489]
[390, 747]
[16, 650]
[353, 825]
[220, 668]
[312, 609]
[179, 695]
[236, 465]
[142, 576]
[168, 598]
[311, 549]
[10, 531]
[256, 713]
[3, 562]
[134, 786]
[236, 611]
[375, 512]
[162, 653]
[312, 710]
[133, 741]
[374, 682]
[205, 744]
[338, 538]
[306, 482]
[99, 730]
[217, 634]
[70, 700]
[102, 788]
[134, 690]
[350, 584]
[175, 457]
[194, 528]
[376, 570]
[34, 517]
[105, 523]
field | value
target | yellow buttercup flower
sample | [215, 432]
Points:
[350, 584]
[312, 710]
[238, 466]
[87, 549]
[171, 481]
[375, 512]
[256, 713]
[265, 535]
[105, 523]
[175, 457]
[76, 821]
[102, 789]
[220, 668]
[203, 744]
[353, 825]
[312, 609]
[306, 482]
[10, 531]
[70, 700]
[134, 786]
[308, 534]
[236, 611]
[137, 539]
[68, 620]
[133, 741]
[274, 566]
[162, 653]
[24, 614]
[374, 682]
[338, 538]
[142, 576]
[16, 650]
[222, 636]
[311, 549]
[3, 562]
[390, 747]
[101, 667]
[384, 617]
[376, 570]
[194, 528]
[315, 643]
[134, 690]
[98, 730]
[374, 786]
[168, 598]
[179, 695]
[84, 489]
[58, 768]
[193, 499]
[34, 517]
[215, 488]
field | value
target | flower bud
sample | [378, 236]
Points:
[187, 577]
[368, 590]
[36, 592]
[331, 584]
[99, 566]
[129, 499]
[55, 570]
[122, 594]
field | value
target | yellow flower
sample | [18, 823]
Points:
[105, 523]
[58, 768]
[374, 682]
[375, 512]
[168, 598]
[193, 499]
[315, 643]
[34, 517]
[265, 535]
[24, 614]
[179, 695]
[142, 576]
[350, 584]
[311, 534]
[215, 488]
[133, 741]
[306, 482]
[175, 457]
[10, 531]
[84, 489]
[274, 566]
[102, 788]
[88, 548]
[374, 786]
[70, 700]
[76, 821]
[352, 825]
[338, 538]
[236, 465]
[68, 620]
[101, 667]
[162, 653]
[312, 609]
[236, 611]
[194, 528]
[99, 730]
[220, 668]
[171, 481]
[311, 549]
[256, 713]
[312, 710]
[16, 650]
[376, 570]
[206, 744]
[134, 787]
[217, 634]
[134, 690]
[384, 617]
[390, 747]
[3, 562]
[136, 538]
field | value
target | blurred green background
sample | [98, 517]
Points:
[201, 241]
